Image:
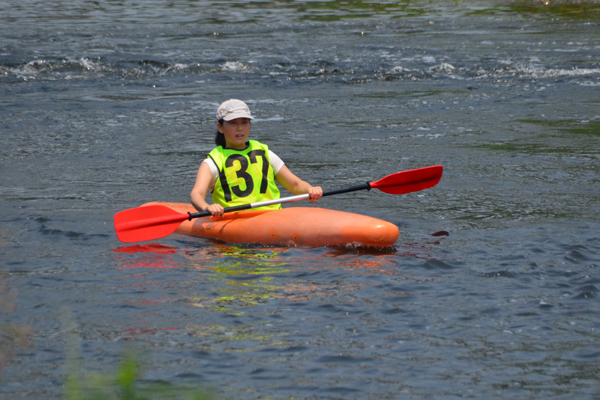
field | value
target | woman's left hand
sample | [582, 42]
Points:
[315, 193]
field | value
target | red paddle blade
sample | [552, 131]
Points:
[147, 223]
[410, 181]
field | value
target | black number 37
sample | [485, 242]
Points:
[242, 173]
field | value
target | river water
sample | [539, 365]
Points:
[108, 105]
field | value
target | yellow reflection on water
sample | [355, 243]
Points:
[253, 277]
[229, 262]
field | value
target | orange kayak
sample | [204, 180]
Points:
[294, 226]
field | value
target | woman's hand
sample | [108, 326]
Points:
[216, 210]
[201, 187]
[296, 185]
[315, 193]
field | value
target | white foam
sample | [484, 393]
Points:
[87, 64]
[234, 66]
[175, 67]
[276, 118]
[398, 69]
[557, 73]
[443, 67]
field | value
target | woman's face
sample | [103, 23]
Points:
[236, 132]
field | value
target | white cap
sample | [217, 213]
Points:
[232, 109]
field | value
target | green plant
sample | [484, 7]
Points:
[125, 384]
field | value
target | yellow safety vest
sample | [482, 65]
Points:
[245, 176]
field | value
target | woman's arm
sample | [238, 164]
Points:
[296, 185]
[200, 190]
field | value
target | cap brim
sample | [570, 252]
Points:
[236, 115]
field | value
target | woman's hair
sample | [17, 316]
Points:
[220, 138]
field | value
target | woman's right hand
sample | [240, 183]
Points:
[216, 210]
[201, 187]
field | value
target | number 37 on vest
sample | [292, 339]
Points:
[245, 176]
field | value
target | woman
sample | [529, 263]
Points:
[241, 171]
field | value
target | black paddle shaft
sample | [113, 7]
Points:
[229, 209]
[366, 186]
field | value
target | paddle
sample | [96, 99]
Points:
[154, 222]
